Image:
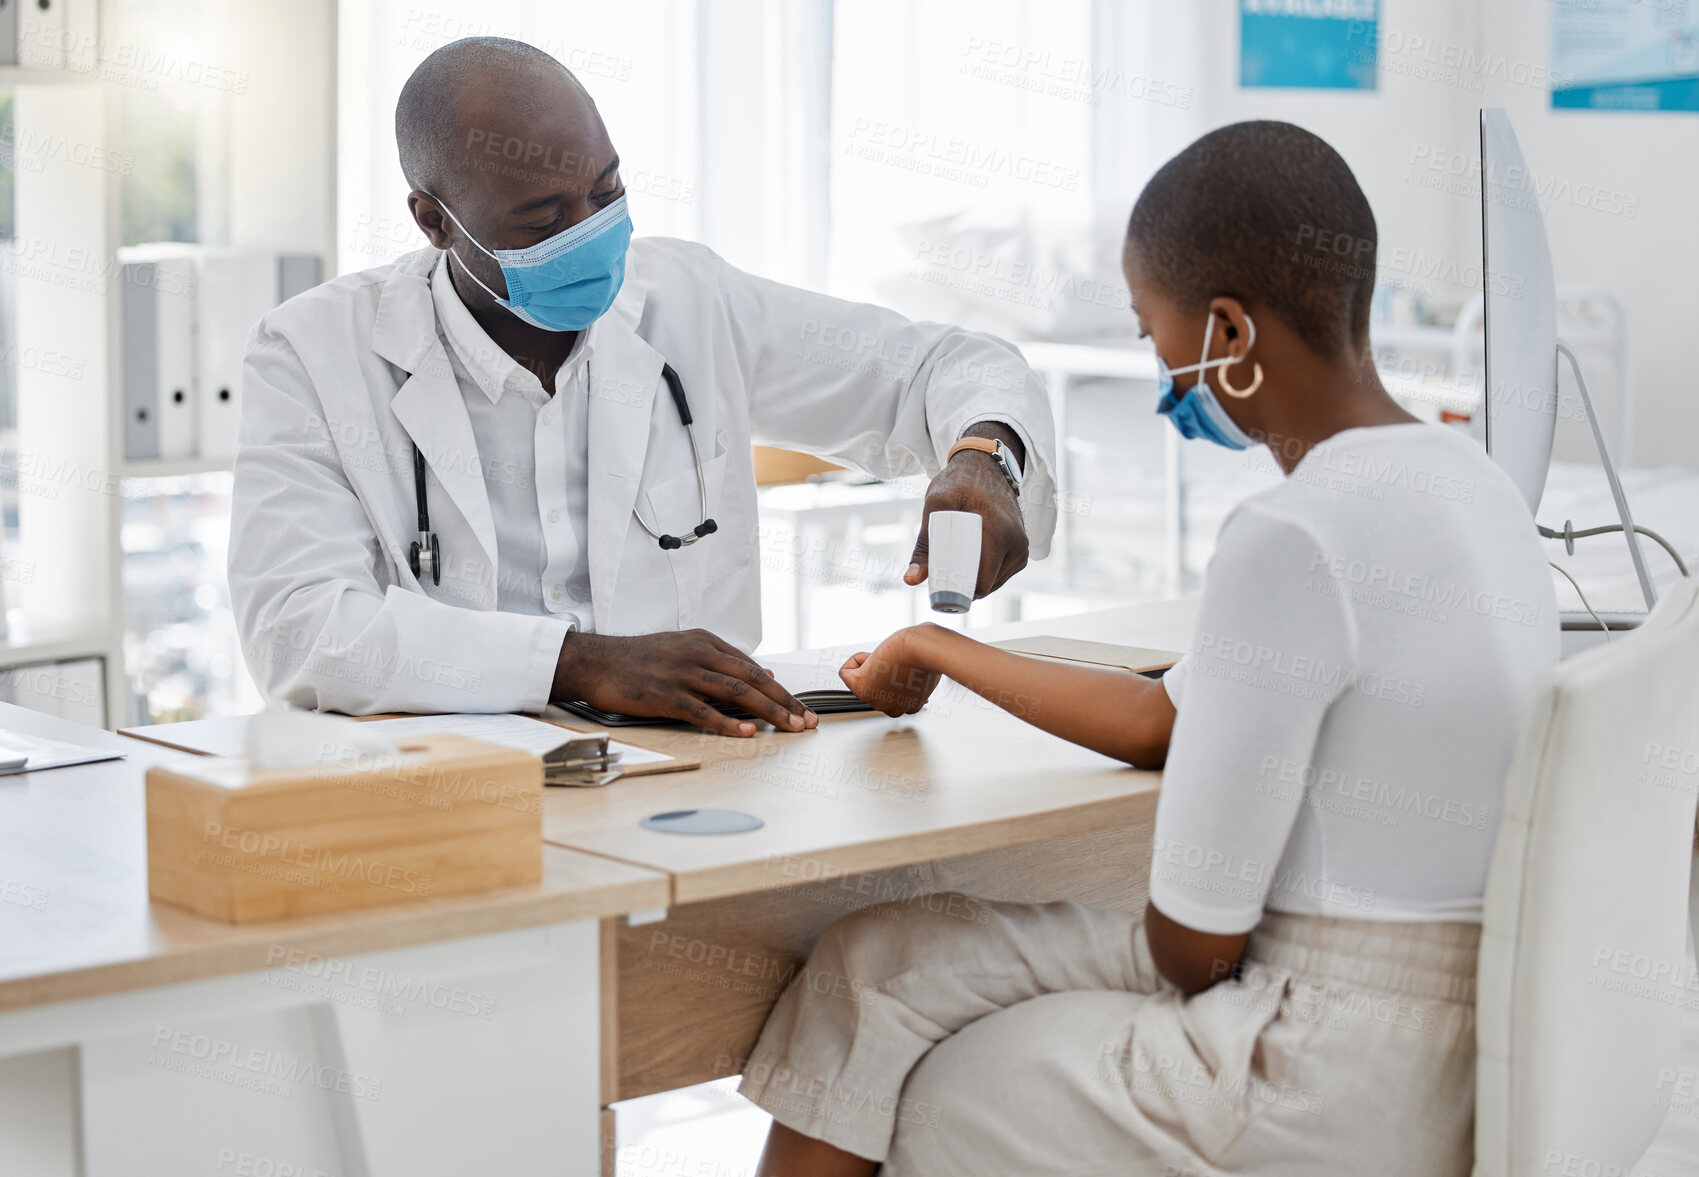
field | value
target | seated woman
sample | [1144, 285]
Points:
[1298, 997]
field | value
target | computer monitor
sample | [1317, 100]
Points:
[1519, 400]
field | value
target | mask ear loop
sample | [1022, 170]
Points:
[1256, 379]
[464, 268]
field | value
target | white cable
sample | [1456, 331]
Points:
[1584, 603]
[1569, 535]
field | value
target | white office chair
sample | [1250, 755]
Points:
[1586, 912]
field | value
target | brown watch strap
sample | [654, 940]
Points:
[983, 444]
[986, 445]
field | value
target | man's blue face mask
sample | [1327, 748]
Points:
[568, 281]
[1196, 412]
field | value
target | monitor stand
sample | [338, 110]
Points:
[1580, 621]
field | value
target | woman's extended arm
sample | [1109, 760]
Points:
[1114, 712]
[1123, 715]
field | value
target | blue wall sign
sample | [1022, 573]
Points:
[1625, 55]
[1310, 44]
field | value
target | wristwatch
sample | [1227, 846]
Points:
[1000, 453]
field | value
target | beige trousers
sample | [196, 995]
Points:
[958, 1036]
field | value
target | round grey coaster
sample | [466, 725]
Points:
[701, 821]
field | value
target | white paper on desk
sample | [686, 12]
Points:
[225, 735]
[510, 731]
[51, 753]
[810, 671]
[285, 737]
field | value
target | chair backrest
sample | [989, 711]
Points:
[1583, 970]
[776, 467]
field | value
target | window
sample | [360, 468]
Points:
[181, 656]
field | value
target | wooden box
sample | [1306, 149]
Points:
[446, 816]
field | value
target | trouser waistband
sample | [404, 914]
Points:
[1435, 961]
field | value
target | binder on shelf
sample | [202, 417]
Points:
[296, 273]
[237, 288]
[141, 361]
[188, 310]
[159, 355]
[40, 33]
[175, 321]
[9, 36]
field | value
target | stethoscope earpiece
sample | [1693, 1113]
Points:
[669, 542]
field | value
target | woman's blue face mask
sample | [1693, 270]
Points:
[1195, 412]
[568, 281]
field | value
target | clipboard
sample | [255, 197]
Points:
[224, 736]
[1138, 659]
[575, 758]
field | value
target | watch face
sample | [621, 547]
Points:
[1010, 467]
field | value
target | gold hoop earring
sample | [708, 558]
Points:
[1241, 393]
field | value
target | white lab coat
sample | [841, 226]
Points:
[342, 381]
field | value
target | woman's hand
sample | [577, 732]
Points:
[1123, 715]
[893, 678]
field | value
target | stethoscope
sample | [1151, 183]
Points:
[426, 552]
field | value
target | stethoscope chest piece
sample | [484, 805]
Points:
[425, 552]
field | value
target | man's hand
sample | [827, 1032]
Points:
[674, 676]
[892, 679]
[972, 481]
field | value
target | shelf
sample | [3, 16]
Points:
[1424, 337]
[173, 467]
[23, 75]
[59, 647]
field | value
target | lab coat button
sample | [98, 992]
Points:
[554, 516]
[555, 592]
[548, 416]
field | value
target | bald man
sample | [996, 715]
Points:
[514, 467]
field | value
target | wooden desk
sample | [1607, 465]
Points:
[459, 1022]
[861, 811]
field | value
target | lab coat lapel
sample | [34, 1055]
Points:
[429, 405]
[625, 373]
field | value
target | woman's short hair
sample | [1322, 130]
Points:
[1265, 211]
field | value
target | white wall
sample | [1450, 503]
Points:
[1649, 260]
[1440, 62]
[710, 117]
[282, 158]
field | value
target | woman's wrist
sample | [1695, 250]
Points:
[926, 646]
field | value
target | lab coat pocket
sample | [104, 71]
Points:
[676, 507]
[1212, 1064]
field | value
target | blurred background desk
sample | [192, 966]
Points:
[1060, 364]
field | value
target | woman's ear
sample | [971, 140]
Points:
[1233, 325]
[1241, 335]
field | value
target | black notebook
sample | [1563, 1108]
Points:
[820, 702]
